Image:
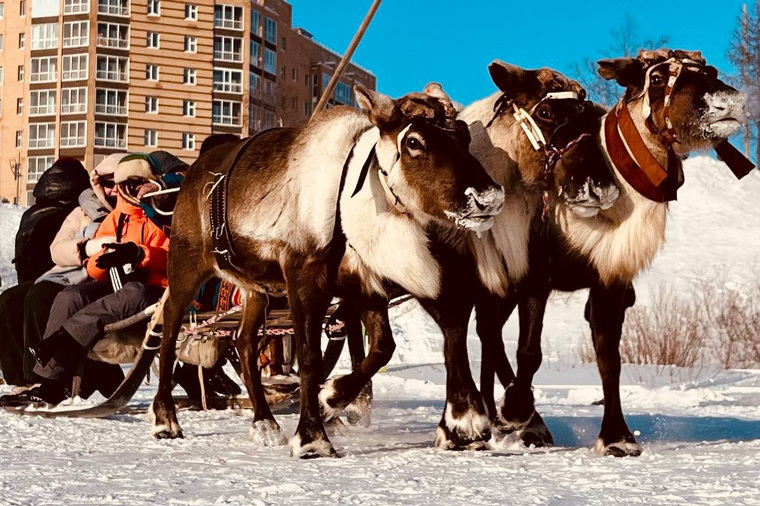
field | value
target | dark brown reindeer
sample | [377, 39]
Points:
[561, 167]
[674, 103]
[276, 225]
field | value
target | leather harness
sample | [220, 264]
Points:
[633, 159]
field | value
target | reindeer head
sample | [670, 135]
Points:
[424, 160]
[682, 99]
[567, 162]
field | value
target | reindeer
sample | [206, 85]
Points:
[337, 207]
[537, 137]
[673, 104]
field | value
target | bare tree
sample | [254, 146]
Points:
[744, 54]
[625, 41]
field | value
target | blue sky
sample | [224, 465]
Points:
[412, 42]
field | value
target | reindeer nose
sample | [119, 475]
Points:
[489, 201]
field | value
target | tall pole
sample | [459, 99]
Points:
[327, 93]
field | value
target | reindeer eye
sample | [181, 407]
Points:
[414, 144]
[655, 80]
[545, 114]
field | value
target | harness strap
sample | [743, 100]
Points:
[219, 209]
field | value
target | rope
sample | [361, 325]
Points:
[203, 388]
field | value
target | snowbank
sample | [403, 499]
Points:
[10, 216]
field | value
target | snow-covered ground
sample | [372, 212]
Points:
[700, 430]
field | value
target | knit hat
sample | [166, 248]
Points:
[139, 165]
[105, 168]
[168, 163]
[62, 182]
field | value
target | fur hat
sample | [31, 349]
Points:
[139, 165]
[105, 168]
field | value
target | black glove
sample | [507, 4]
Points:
[120, 254]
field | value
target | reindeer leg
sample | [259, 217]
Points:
[265, 431]
[607, 311]
[517, 411]
[339, 391]
[308, 303]
[491, 313]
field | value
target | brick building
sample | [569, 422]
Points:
[86, 78]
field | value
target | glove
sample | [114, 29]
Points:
[120, 254]
[94, 245]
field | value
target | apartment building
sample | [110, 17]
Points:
[87, 78]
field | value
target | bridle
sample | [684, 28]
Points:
[632, 157]
[552, 153]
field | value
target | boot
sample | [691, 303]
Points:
[49, 392]
[60, 345]
[100, 376]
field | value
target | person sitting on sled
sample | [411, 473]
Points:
[129, 274]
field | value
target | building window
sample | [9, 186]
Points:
[254, 87]
[295, 75]
[188, 108]
[228, 16]
[41, 102]
[270, 119]
[111, 135]
[151, 105]
[45, 36]
[270, 61]
[191, 12]
[73, 100]
[154, 7]
[41, 135]
[20, 74]
[73, 134]
[188, 76]
[270, 30]
[114, 7]
[19, 106]
[270, 91]
[307, 108]
[113, 35]
[36, 165]
[19, 138]
[153, 40]
[191, 44]
[228, 81]
[113, 68]
[228, 49]
[76, 34]
[282, 72]
[22, 9]
[188, 141]
[111, 102]
[255, 54]
[282, 43]
[226, 112]
[254, 123]
[2, 41]
[76, 6]
[2, 10]
[151, 72]
[151, 138]
[255, 22]
[343, 93]
[21, 40]
[44, 70]
[75, 67]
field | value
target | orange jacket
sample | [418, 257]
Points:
[140, 230]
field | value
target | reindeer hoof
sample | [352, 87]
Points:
[445, 440]
[622, 448]
[267, 433]
[312, 449]
[359, 412]
[516, 409]
[534, 432]
[468, 430]
[330, 402]
[169, 429]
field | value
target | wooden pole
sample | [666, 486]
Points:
[327, 93]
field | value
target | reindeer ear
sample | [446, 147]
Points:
[435, 90]
[513, 80]
[380, 108]
[626, 71]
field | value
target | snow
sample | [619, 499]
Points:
[699, 429]
[10, 217]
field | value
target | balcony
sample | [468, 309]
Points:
[113, 35]
[42, 110]
[229, 24]
[110, 142]
[111, 109]
[113, 8]
[113, 42]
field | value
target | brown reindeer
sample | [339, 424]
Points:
[336, 207]
[674, 103]
[564, 166]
